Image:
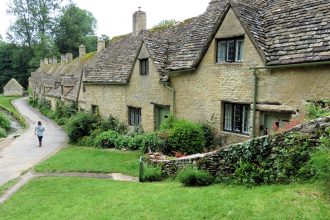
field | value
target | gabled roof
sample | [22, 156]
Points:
[13, 82]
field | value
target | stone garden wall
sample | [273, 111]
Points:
[223, 162]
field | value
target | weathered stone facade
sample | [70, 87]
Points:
[13, 88]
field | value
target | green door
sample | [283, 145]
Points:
[161, 115]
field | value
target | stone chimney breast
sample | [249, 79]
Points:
[82, 50]
[45, 61]
[100, 45]
[69, 57]
[54, 60]
[50, 61]
[139, 22]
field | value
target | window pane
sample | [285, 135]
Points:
[221, 57]
[230, 51]
[246, 119]
[238, 118]
[228, 117]
[239, 50]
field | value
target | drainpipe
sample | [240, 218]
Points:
[255, 82]
[173, 97]
[255, 93]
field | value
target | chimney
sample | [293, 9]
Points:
[82, 50]
[54, 60]
[41, 62]
[69, 57]
[100, 45]
[63, 58]
[50, 60]
[139, 22]
[45, 61]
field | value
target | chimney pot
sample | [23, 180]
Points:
[139, 22]
[82, 50]
[100, 45]
[69, 57]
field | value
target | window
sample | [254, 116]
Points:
[134, 116]
[230, 50]
[237, 118]
[144, 67]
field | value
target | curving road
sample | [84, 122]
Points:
[23, 153]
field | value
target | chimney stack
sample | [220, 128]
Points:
[50, 61]
[41, 62]
[139, 22]
[100, 45]
[63, 58]
[54, 60]
[82, 50]
[45, 61]
[69, 57]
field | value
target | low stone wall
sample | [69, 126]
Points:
[222, 162]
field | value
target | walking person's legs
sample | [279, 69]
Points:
[40, 141]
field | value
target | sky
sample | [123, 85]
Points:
[115, 17]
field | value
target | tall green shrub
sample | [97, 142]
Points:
[107, 139]
[80, 125]
[186, 137]
[4, 122]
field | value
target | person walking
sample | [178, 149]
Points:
[39, 131]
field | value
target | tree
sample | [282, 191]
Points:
[74, 27]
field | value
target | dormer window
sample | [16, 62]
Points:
[144, 66]
[230, 50]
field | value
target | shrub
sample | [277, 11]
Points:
[107, 139]
[3, 133]
[153, 174]
[114, 124]
[81, 125]
[186, 137]
[4, 122]
[122, 141]
[64, 111]
[318, 109]
[152, 142]
[191, 176]
[136, 142]
[168, 123]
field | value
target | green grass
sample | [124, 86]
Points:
[78, 198]
[6, 102]
[6, 186]
[84, 159]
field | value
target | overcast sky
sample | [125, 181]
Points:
[115, 17]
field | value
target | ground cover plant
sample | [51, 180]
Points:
[86, 159]
[78, 198]
[6, 104]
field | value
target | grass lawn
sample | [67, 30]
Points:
[6, 102]
[6, 186]
[78, 198]
[87, 159]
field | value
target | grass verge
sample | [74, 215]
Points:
[6, 186]
[6, 104]
[77, 198]
[87, 159]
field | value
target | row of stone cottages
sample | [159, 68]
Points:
[249, 65]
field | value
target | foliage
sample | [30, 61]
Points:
[4, 122]
[152, 143]
[186, 137]
[136, 142]
[209, 133]
[3, 132]
[114, 124]
[107, 139]
[191, 176]
[81, 125]
[164, 24]
[152, 174]
[74, 27]
[318, 109]
[168, 123]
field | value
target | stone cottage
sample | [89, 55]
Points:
[13, 88]
[250, 66]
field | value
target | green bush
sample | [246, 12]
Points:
[122, 141]
[191, 176]
[318, 110]
[153, 174]
[63, 111]
[107, 139]
[186, 137]
[168, 123]
[4, 122]
[152, 142]
[3, 133]
[114, 124]
[136, 142]
[81, 125]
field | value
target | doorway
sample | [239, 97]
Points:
[162, 113]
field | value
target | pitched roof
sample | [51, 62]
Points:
[13, 82]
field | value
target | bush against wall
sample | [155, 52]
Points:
[191, 176]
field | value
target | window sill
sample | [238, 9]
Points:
[236, 133]
[229, 63]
